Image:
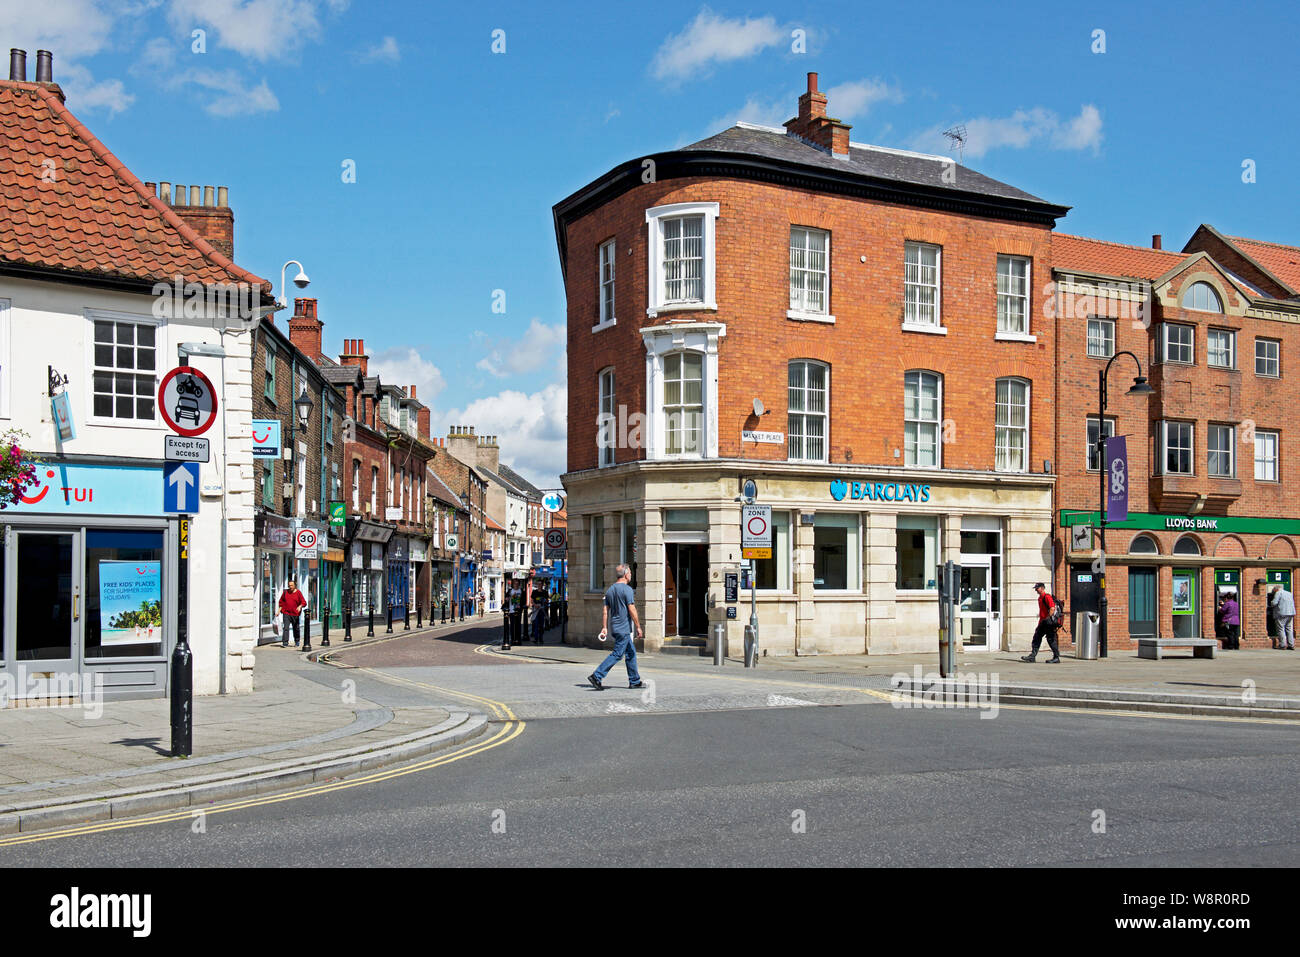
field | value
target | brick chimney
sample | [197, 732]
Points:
[462, 443]
[207, 212]
[354, 354]
[422, 421]
[1155, 241]
[305, 329]
[813, 125]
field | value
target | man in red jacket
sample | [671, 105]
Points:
[1045, 627]
[291, 604]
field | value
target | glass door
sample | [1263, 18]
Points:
[974, 610]
[43, 627]
[1141, 602]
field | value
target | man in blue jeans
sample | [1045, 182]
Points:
[619, 617]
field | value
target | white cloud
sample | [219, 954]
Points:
[531, 429]
[158, 55]
[385, 50]
[234, 97]
[261, 29]
[761, 112]
[711, 38]
[87, 95]
[70, 28]
[1023, 128]
[403, 366]
[854, 100]
[534, 349]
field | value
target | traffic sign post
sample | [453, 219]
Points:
[180, 448]
[755, 543]
[307, 540]
[181, 488]
[186, 395]
[556, 543]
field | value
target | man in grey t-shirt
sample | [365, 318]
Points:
[619, 617]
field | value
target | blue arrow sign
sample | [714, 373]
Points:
[181, 487]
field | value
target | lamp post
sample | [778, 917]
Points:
[1139, 387]
[302, 406]
[469, 524]
[300, 280]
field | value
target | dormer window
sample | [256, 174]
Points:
[1202, 297]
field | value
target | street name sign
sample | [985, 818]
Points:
[182, 448]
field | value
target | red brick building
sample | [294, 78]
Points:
[1211, 506]
[857, 329]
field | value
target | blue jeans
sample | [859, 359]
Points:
[624, 647]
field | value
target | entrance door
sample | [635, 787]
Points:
[46, 634]
[670, 591]
[686, 583]
[1185, 604]
[973, 613]
[1141, 602]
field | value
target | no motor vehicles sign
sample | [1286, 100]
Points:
[756, 531]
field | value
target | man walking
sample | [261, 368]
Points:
[1046, 628]
[1283, 605]
[619, 617]
[291, 605]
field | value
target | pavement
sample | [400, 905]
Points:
[302, 722]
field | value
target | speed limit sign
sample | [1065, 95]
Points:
[307, 540]
[556, 542]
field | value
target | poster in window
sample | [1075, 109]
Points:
[130, 602]
[1182, 595]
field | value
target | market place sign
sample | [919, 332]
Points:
[1186, 523]
[879, 491]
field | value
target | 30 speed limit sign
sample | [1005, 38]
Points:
[307, 540]
[756, 531]
[556, 542]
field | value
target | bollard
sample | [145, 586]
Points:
[182, 701]
[444, 611]
[751, 647]
[325, 627]
[505, 632]
[419, 623]
[347, 616]
[370, 631]
[719, 643]
[389, 611]
[306, 630]
[406, 617]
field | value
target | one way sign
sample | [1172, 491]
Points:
[181, 487]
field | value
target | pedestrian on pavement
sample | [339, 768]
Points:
[1046, 627]
[1284, 608]
[540, 599]
[618, 618]
[291, 605]
[517, 614]
[482, 605]
[1230, 619]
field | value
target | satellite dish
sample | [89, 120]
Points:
[758, 407]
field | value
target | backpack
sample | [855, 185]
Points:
[1056, 616]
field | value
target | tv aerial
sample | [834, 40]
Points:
[957, 140]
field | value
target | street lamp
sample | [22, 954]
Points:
[300, 280]
[1139, 387]
[302, 406]
[459, 580]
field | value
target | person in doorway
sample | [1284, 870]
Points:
[618, 618]
[1230, 621]
[1283, 605]
[540, 600]
[1046, 627]
[291, 605]
[482, 605]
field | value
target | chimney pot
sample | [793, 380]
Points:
[180, 195]
[223, 196]
[18, 65]
[194, 196]
[165, 192]
[44, 66]
[1155, 241]
[812, 82]
[209, 196]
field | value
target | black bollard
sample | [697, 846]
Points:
[306, 630]
[347, 616]
[444, 612]
[418, 610]
[389, 611]
[406, 617]
[182, 701]
[370, 632]
[505, 632]
[325, 627]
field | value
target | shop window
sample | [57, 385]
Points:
[124, 598]
[686, 520]
[1143, 545]
[836, 555]
[1187, 546]
[773, 574]
[596, 556]
[627, 545]
[917, 552]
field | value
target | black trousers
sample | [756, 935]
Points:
[1046, 630]
[290, 624]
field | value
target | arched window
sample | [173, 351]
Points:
[1187, 546]
[1143, 545]
[1201, 296]
[922, 418]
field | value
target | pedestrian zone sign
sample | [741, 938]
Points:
[756, 531]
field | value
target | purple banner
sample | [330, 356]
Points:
[1116, 479]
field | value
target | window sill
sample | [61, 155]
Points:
[798, 315]
[604, 325]
[124, 423]
[1015, 337]
[929, 594]
[654, 311]
[928, 330]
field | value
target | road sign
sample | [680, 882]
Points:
[338, 515]
[187, 395]
[181, 487]
[557, 542]
[306, 540]
[1080, 538]
[452, 542]
[553, 501]
[756, 531]
[266, 438]
[181, 448]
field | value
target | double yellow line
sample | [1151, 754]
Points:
[499, 710]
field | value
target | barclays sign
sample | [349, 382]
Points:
[879, 491]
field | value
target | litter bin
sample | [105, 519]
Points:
[1087, 634]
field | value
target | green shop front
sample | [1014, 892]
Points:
[1167, 575]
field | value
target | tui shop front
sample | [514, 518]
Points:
[1167, 575]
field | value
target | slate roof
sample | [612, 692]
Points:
[446, 494]
[1104, 258]
[519, 482]
[876, 162]
[87, 215]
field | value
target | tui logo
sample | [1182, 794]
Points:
[839, 488]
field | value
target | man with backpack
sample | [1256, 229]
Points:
[1050, 614]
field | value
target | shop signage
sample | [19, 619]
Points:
[187, 401]
[553, 501]
[130, 602]
[1117, 479]
[393, 513]
[1199, 523]
[1227, 576]
[879, 491]
[1081, 538]
[487, 555]
[397, 550]
[90, 490]
[275, 532]
[367, 532]
[769, 438]
[338, 515]
[266, 438]
[62, 408]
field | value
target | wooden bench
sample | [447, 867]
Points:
[1152, 647]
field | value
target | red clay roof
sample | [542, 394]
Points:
[491, 523]
[1282, 261]
[1111, 259]
[93, 217]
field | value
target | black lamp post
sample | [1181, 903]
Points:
[302, 406]
[469, 524]
[1139, 387]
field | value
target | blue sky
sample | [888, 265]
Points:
[460, 152]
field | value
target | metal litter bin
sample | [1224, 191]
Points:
[1087, 634]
